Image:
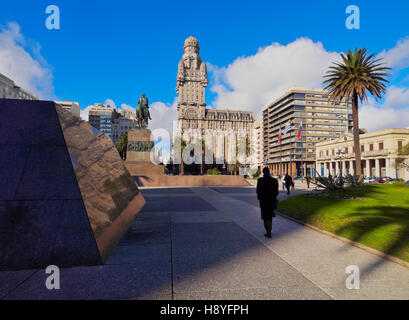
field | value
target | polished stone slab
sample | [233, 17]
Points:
[14, 158]
[10, 280]
[66, 198]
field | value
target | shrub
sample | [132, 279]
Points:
[354, 180]
[330, 183]
[257, 174]
[213, 172]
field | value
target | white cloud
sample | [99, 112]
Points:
[23, 64]
[125, 106]
[162, 114]
[109, 103]
[84, 113]
[377, 117]
[398, 56]
[249, 83]
[397, 97]
[392, 113]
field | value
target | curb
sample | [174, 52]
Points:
[350, 242]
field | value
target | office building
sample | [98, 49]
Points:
[73, 107]
[321, 120]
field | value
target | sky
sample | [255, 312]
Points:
[113, 51]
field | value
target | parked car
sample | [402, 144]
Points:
[407, 183]
[369, 179]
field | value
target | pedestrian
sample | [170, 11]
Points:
[288, 182]
[267, 192]
[308, 179]
[293, 182]
[283, 182]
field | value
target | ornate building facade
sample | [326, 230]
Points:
[193, 116]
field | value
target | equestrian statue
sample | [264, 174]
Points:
[142, 112]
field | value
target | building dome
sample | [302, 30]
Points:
[191, 42]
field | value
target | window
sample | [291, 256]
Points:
[327, 152]
[362, 148]
[380, 145]
[333, 152]
[298, 95]
[399, 146]
[371, 147]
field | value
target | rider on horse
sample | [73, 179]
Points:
[142, 111]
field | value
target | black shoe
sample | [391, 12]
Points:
[268, 235]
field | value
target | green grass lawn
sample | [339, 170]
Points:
[374, 215]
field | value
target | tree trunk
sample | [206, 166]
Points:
[357, 145]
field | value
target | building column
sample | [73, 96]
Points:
[377, 168]
[337, 168]
[351, 167]
[367, 168]
[318, 168]
[344, 168]
[387, 169]
[392, 168]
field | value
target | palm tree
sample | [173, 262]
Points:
[122, 146]
[351, 79]
[180, 143]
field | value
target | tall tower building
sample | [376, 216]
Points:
[191, 78]
[192, 112]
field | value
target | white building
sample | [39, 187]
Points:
[121, 125]
[379, 151]
[257, 145]
[9, 90]
[73, 107]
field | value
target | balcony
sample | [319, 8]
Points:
[374, 153]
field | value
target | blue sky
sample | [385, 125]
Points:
[119, 49]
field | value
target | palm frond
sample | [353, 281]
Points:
[358, 73]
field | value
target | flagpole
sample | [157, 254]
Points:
[302, 159]
[279, 142]
[291, 146]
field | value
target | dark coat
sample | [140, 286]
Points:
[267, 192]
[288, 181]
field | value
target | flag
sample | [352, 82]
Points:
[279, 135]
[300, 131]
[288, 126]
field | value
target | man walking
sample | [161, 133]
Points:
[288, 182]
[267, 192]
[283, 182]
[308, 179]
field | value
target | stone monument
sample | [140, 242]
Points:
[66, 198]
[140, 144]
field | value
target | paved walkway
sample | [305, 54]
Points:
[208, 243]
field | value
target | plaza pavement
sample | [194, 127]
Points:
[208, 243]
